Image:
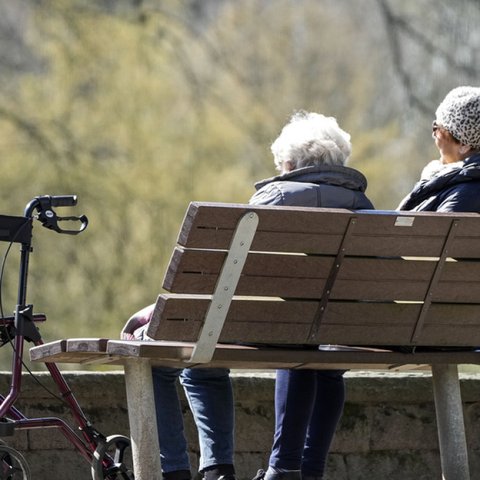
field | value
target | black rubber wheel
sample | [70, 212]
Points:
[13, 465]
[112, 459]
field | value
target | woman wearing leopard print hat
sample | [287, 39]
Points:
[452, 183]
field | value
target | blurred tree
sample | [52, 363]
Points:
[432, 49]
[111, 122]
[142, 106]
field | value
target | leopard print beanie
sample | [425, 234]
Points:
[459, 113]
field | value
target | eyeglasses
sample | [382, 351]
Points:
[436, 126]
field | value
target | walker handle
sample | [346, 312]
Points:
[63, 200]
[48, 217]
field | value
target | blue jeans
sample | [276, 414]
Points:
[308, 406]
[209, 394]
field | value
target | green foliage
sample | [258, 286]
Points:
[115, 126]
[141, 110]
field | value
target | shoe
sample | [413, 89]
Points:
[292, 475]
[219, 472]
[177, 475]
[260, 475]
[221, 477]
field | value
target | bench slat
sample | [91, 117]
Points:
[304, 276]
[234, 356]
[180, 317]
[211, 226]
[73, 350]
[237, 355]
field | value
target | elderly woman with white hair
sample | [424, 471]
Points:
[310, 153]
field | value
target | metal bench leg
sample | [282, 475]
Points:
[451, 427]
[142, 418]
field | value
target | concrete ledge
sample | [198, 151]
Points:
[388, 429]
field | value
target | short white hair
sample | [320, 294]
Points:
[311, 139]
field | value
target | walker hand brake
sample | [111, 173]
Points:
[49, 219]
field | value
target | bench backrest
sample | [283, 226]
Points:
[322, 276]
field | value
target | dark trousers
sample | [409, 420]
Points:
[308, 406]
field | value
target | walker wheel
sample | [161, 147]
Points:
[112, 459]
[13, 465]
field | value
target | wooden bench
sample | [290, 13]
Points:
[402, 290]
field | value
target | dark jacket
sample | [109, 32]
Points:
[454, 190]
[319, 186]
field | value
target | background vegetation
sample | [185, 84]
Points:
[139, 107]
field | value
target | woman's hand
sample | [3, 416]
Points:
[136, 321]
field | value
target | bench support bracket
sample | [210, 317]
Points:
[434, 281]
[450, 423]
[225, 288]
[330, 282]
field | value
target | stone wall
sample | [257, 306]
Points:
[388, 429]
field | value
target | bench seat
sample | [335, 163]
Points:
[178, 354]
